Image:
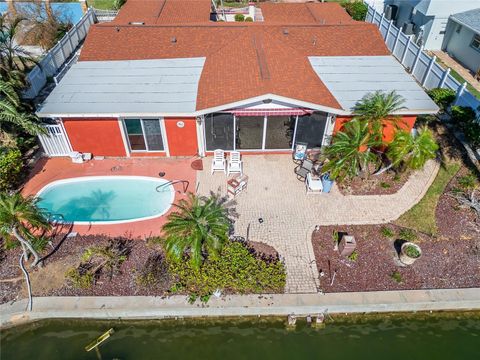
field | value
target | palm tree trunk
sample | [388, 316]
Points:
[27, 245]
[27, 281]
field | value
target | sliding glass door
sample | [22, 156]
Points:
[263, 133]
[144, 134]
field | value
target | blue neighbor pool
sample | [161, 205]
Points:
[106, 199]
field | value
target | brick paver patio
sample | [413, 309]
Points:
[290, 215]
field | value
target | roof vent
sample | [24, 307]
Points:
[173, 39]
[136, 23]
[285, 31]
[118, 29]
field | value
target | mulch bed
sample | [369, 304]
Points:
[386, 183]
[452, 263]
[123, 284]
[451, 259]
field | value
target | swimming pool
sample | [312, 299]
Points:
[106, 199]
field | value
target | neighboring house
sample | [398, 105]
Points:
[426, 19]
[462, 40]
[163, 80]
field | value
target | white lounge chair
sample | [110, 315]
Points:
[218, 162]
[235, 165]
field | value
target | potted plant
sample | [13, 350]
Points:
[409, 253]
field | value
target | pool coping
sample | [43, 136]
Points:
[99, 177]
[156, 307]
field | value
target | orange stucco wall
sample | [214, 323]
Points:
[405, 122]
[100, 136]
[182, 141]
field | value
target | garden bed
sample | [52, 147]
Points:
[445, 263]
[51, 281]
[386, 183]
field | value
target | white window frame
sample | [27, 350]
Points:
[163, 131]
[475, 39]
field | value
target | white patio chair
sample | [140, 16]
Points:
[218, 162]
[235, 165]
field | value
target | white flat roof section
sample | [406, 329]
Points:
[126, 87]
[350, 78]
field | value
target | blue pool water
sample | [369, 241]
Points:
[66, 12]
[106, 199]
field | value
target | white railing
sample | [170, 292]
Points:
[422, 66]
[58, 55]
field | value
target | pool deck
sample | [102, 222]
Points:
[152, 307]
[48, 170]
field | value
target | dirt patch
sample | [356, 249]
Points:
[263, 249]
[444, 263]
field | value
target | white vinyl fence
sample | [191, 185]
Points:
[422, 66]
[56, 56]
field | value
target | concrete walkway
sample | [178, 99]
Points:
[148, 307]
[289, 214]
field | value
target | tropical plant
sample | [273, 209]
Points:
[377, 108]
[350, 153]
[410, 150]
[20, 217]
[201, 225]
[442, 97]
[236, 270]
[356, 9]
[239, 17]
[14, 59]
[11, 165]
[12, 112]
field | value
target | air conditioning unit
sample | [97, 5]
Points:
[391, 12]
[407, 28]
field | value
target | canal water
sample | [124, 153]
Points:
[390, 337]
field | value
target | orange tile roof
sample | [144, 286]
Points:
[243, 60]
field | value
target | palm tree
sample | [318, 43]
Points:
[412, 151]
[377, 108]
[200, 226]
[351, 151]
[14, 59]
[19, 216]
[11, 111]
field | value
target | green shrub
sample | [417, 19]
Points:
[239, 17]
[235, 270]
[462, 115]
[154, 273]
[80, 278]
[467, 182]
[472, 133]
[442, 97]
[385, 185]
[248, 19]
[408, 234]
[396, 276]
[11, 165]
[356, 9]
[412, 251]
[387, 232]
[353, 256]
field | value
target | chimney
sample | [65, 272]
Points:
[251, 10]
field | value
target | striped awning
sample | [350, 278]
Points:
[270, 112]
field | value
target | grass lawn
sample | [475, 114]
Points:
[461, 80]
[101, 4]
[422, 216]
